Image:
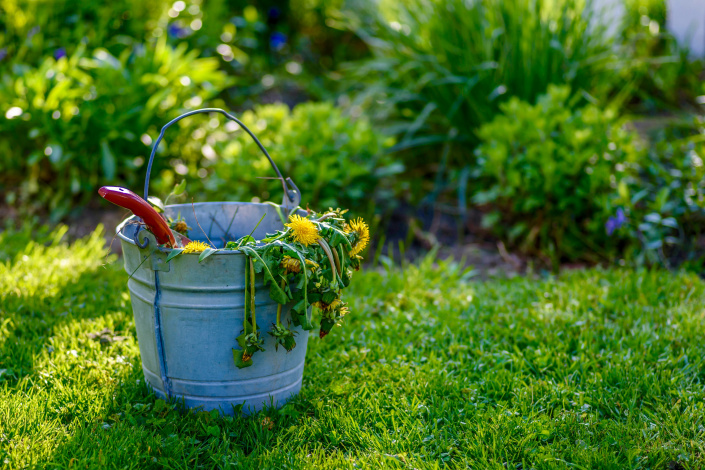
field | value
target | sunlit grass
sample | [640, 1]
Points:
[593, 369]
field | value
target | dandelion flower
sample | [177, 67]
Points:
[181, 227]
[312, 265]
[196, 247]
[359, 228]
[327, 307]
[291, 265]
[343, 311]
[304, 231]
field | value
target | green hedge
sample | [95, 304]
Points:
[664, 202]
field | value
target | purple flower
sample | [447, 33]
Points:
[59, 53]
[3, 53]
[621, 218]
[176, 31]
[616, 222]
[277, 41]
[173, 29]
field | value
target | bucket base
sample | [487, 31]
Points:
[229, 407]
[210, 396]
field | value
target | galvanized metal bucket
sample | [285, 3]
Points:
[188, 314]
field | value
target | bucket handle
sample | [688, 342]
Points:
[292, 196]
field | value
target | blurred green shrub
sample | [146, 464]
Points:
[640, 14]
[334, 159]
[84, 120]
[86, 85]
[30, 30]
[281, 51]
[550, 170]
[664, 202]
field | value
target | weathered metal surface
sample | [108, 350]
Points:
[188, 314]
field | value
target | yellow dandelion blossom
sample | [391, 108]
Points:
[303, 230]
[291, 265]
[360, 228]
[312, 265]
[182, 227]
[327, 307]
[196, 247]
[343, 311]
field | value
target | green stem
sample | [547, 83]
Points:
[337, 261]
[141, 263]
[279, 211]
[253, 231]
[326, 249]
[325, 216]
[252, 295]
[247, 298]
[279, 306]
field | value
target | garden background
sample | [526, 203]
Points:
[480, 139]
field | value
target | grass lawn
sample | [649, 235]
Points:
[593, 369]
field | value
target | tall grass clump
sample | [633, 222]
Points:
[663, 74]
[441, 68]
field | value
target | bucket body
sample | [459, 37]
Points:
[189, 314]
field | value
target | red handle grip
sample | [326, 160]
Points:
[123, 197]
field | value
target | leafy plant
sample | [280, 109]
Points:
[86, 85]
[279, 51]
[664, 202]
[549, 170]
[334, 159]
[84, 120]
[32, 30]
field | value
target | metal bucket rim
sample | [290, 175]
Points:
[124, 238]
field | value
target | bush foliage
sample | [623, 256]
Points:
[78, 122]
[85, 87]
[549, 170]
[334, 159]
[664, 202]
